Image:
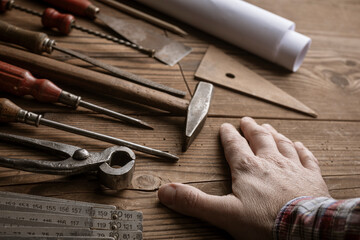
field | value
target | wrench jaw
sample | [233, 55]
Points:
[197, 112]
[118, 178]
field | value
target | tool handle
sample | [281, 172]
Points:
[94, 81]
[82, 8]
[20, 82]
[8, 111]
[4, 5]
[53, 19]
[32, 41]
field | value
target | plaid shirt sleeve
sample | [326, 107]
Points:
[318, 218]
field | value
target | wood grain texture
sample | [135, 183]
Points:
[328, 82]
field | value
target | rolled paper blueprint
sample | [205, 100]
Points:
[247, 26]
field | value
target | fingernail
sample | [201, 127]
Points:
[167, 194]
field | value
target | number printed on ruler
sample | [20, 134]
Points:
[7, 203]
[48, 219]
[23, 231]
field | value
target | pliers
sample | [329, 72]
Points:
[78, 160]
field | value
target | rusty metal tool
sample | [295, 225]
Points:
[39, 42]
[77, 160]
[9, 112]
[21, 82]
[221, 69]
[51, 18]
[197, 108]
[151, 19]
[166, 50]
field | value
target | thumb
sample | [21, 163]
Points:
[190, 201]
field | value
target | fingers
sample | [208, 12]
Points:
[307, 159]
[235, 146]
[285, 146]
[260, 139]
[193, 202]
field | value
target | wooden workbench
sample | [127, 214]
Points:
[328, 82]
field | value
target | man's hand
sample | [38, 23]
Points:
[267, 170]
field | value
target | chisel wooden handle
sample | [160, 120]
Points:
[33, 41]
[8, 111]
[82, 8]
[20, 82]
[96, 82]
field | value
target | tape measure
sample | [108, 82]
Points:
[25, 216]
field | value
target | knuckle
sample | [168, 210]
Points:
[191, 199]
[247, 163]
[259, 133]
[231, 142]
[284, 140]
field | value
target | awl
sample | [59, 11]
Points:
[9, 112]
[166, 50]
[21, 82]
[196, 109]
[39, 42]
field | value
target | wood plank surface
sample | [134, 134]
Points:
[328, 82]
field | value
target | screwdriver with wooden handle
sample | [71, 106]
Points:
[168, 51]
[21, 82]
[38, 42]
[64, 23]
[9, 112]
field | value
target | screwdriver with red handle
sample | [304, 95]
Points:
[51, 18]
[9, 112]
[21, 82]
[39, 42]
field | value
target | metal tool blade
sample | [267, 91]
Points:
[166, 50]
[223, 70]
[197, 112]
[122, 74]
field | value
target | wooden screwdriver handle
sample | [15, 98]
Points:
[82, 8]
[33, 41]
[8, 111]
[20, 82]
[53, 19]
[96, 82]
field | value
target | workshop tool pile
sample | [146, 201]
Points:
[33, 217]
[28, 69]
[25, 216]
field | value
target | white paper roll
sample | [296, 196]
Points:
[242, 24]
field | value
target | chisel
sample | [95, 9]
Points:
[51, 18]
[21, 82]
[40, 42]
[166, 50]
[9, 112]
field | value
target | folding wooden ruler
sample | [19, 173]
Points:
[25, 216]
